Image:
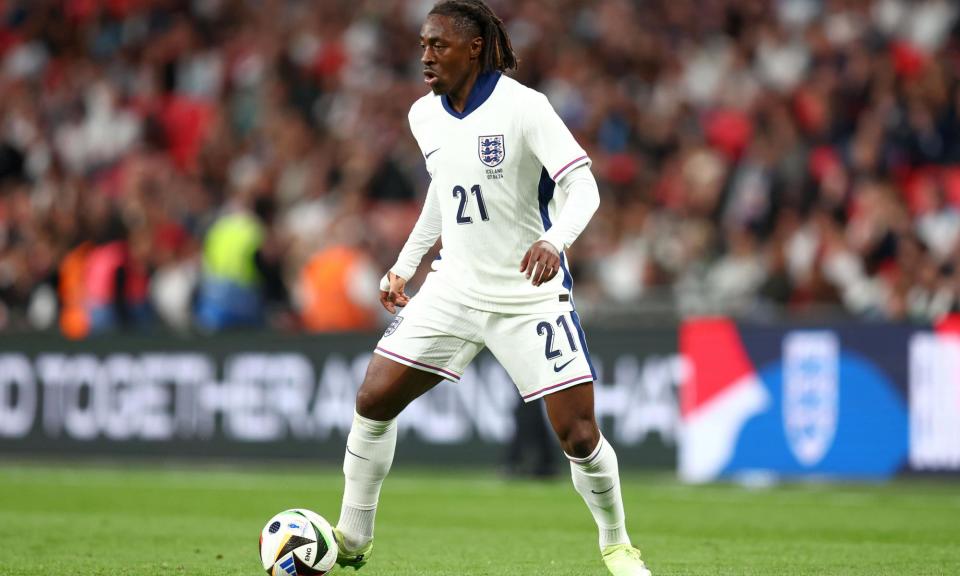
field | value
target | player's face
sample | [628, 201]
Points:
[448, 54]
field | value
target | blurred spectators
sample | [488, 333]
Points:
[164, 161]
[339, 284]
[241, 268]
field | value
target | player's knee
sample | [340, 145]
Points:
[580, 438]
[370, 406]
[370, 398]
[363, 403]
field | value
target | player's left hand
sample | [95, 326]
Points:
[394, 296]
[541, 262]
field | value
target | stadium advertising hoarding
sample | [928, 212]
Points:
[262, 396]
[861, 401]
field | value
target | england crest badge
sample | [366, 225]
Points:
[491, 149]
[810, 393]
[393, 326]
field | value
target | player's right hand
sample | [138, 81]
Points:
[394, 295]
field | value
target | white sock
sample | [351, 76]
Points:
[366, 463]
[597, 480]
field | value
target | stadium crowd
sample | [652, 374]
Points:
[204, 164]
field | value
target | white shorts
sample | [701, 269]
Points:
[542, 353]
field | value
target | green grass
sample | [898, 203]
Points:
[150, 521]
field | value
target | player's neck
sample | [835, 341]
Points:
[458, 97]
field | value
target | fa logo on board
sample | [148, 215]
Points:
[491, 149]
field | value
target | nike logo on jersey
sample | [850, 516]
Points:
[604, 492]
[430, 153]
[557, 368]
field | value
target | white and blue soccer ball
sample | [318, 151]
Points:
[297, 542]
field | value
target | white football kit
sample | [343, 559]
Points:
[493, 193]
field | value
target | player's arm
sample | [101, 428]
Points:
[542, 261]
[569, 166]
[423, 236]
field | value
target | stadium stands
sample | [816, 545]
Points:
[755, 158]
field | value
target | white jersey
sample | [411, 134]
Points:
[493, 170]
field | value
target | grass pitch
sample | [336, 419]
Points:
[157, 521]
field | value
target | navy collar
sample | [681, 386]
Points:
[482, 89]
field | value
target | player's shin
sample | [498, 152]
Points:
[597, 479]
[369, 454]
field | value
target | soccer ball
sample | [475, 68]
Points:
[297, 542]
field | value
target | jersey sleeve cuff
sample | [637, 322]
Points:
[402, 272]
[553, 240]
[578, 161]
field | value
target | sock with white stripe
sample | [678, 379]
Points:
[597, 480]
[369, 454]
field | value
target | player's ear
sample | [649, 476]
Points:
[476, 47]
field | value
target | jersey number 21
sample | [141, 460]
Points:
[461, 193]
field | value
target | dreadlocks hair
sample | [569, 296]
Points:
[476, 18]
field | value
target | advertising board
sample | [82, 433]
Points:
[856, 401]
[268, 396]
